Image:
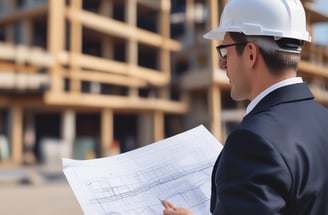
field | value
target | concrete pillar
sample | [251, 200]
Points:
[9, 34]
[108, 146]
[132, 44]
[158, 125]
[56, 41]
[214, 98]
[29, 138]
[190, 21]
[76, 46]
[68, 132]
[28, 32]
[16, 120]
[145, 129]
[106, 8]
[213, 23]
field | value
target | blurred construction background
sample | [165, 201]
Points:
[93, 78]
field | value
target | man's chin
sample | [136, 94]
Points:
[236, 98]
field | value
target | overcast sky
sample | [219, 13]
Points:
[321, 30]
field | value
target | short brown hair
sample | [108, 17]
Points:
[275, 59]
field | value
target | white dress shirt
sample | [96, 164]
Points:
[258, 98]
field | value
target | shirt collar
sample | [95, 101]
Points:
[273, 87]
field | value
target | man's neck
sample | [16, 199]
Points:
[282, 83]
[265, 81]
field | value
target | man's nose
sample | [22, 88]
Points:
[223, 64]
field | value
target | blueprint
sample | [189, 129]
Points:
[177, 169]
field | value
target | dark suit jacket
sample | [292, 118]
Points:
[276, 160]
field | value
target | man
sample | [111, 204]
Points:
[276, 160]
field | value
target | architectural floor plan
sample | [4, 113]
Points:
[177, 169]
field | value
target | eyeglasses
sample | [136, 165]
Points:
[222, 49]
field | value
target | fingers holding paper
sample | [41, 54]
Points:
[170, 209]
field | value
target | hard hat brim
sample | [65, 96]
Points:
[216, 34]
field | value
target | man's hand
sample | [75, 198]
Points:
[171, 210]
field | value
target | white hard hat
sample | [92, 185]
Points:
[277, 18]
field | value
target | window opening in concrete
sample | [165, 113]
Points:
[18, 33]
[20, 4]
[119, 10]
[91, 42]
[173, 124]
[147, 18]
[67, 84]
[125, 131]
[85, 86]
[175, 91]
[178, 18]
[67, 35]
[91, 5]
[149, 92]
[40, 32]
[5, 146]
[47, 126]
[181, 66]
[110, 89]
[86, 145]
[119, 50]
[2, 35]
[148, 56]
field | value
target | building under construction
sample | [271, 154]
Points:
[91, 78]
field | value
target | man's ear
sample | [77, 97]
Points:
[252, 54]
